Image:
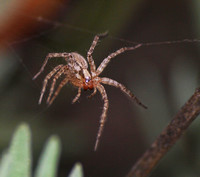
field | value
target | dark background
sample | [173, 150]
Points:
[162, 76]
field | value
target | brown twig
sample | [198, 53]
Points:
[168, 137]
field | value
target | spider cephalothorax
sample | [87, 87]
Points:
[76, 72]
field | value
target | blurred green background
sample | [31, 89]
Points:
[163, 77]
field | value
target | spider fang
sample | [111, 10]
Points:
[88, 84]
[77, 73]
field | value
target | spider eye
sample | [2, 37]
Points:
[87, 80]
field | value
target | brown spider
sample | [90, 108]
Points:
[76, 72]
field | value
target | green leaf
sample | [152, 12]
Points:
[4, 164]
[47, 166]
[17, 161]
[77, 171]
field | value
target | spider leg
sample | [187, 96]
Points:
[101, 89]
[93, 93]
[114, 83]
[58, 74]
[105, 62]
[46, 80]
[77, 96]
[63, 82]
[50, 55]
[90, 51]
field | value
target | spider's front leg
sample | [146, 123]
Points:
[105, 62]
[101, 89]
[90, 51]
[50, 55]
[114, 83]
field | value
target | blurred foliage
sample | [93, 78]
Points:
[77, 171]
[17, 160]
[48, 162]
[162, 77]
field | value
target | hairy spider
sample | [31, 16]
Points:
[76, 72]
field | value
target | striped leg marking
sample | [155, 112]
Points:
[101, 89]
[105, 62]
[57, 68]
[114, 83]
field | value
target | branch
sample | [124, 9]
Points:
[168, 137]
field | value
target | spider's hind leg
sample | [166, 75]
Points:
[114, 83]
[57, 68]
[57, 75]
[50, 55]
[60, 86]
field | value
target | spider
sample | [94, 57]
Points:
[76, 72]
